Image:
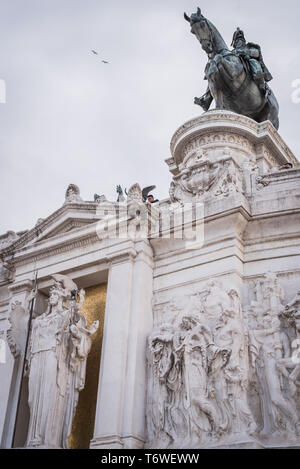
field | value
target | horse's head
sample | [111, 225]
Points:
[207, 34]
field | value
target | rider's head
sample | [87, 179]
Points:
[238, 38]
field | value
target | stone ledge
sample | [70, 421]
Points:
[117, 442]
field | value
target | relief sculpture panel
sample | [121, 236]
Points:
[221, 376]
[198, 373]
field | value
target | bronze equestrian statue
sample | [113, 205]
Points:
[237, 79]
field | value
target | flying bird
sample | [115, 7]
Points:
[96, 53]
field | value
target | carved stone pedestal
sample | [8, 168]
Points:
[201, 334]
[215, 155]
[222, 366]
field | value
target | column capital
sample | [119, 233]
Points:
[119, 257]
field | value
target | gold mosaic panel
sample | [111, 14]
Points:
[83, 423]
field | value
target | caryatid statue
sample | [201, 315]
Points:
[237, 79]
[60, 342]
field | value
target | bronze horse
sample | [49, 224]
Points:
[230, 82]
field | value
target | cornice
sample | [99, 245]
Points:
[210, 117]
[20, 286]
[122, 256]
[66, 227]
[217, 121]
[4, 303]
[60, 248]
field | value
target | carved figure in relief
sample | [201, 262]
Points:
[226, 379]
[59, 345]
[231, 182]
[177, 191]
[165, 416]
[202, 179]
[291, 360]
[279, 414]
[273, 293]
[268, 348]
[230, 333]
[213, 301]
[201, 358]
[203, 385]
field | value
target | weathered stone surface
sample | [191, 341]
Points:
[220, 317]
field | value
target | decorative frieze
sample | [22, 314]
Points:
[201, 179]
[198, 372]
[273, 376]
[219, 376]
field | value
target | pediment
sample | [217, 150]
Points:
[67, 219]
[66, 226]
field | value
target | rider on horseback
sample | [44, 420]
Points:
[237, 79]
[251, 53]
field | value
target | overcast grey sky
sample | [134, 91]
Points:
[71, 118]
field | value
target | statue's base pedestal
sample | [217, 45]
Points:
[249, 256]
[233, 169]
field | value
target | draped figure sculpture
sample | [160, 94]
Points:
[183, 363]
[201, 359]
[232, 383]
[198, 372]
[59, 345]
[291, 315]
[220, 376]
[165, 413]
[268, 349]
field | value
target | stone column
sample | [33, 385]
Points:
[19, 292]
[121, 406]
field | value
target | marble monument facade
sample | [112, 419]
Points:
[200, 340]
